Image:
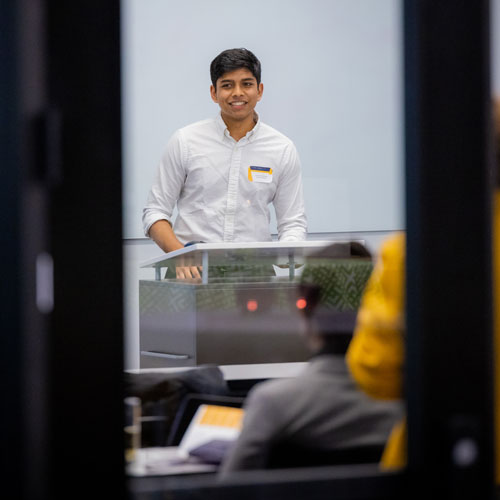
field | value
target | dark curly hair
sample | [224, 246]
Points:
[232, 59]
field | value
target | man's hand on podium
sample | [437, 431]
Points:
[188, 272]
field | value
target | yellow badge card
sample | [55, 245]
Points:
[260, 174]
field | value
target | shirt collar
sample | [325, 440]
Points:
[221, 126]
[254, 131]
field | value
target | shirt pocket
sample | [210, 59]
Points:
[257, 193]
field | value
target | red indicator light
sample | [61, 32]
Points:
[301, 303]
[252, 305]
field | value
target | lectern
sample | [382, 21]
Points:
[244, 309]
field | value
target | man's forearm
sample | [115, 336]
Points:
[163, 235]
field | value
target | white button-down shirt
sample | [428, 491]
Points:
[219, 197]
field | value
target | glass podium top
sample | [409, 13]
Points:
[284, 254]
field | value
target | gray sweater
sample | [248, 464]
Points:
[322, 407]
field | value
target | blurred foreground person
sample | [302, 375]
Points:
[376, 354]
[321, 411]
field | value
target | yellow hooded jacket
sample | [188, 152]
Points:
[376, 354]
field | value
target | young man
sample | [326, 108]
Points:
[223, 173]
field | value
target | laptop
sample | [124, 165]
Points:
[201, 435]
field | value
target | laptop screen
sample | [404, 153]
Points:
[212, 423]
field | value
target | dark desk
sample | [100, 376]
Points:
[339, 482]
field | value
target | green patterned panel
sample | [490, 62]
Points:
[215, 299]
[169, 296]
[232, 271]
[342, 281]
[240, 271]
[158, 297]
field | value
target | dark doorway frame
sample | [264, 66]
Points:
[60, 195]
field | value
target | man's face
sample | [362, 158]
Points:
[237, 94]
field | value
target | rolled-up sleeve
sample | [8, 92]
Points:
[289, 199]
[167, 186]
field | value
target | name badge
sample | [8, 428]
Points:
[260, 174]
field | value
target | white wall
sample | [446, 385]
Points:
[140, 250]
[332, 83]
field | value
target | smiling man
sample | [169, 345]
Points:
[223, 173]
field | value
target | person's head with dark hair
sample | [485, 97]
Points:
[236, 88]
[328, 320]
[232, 59]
